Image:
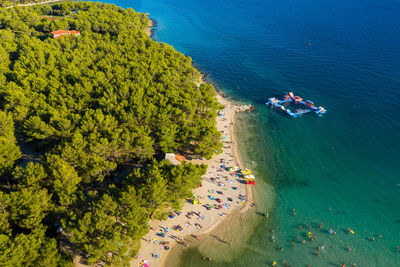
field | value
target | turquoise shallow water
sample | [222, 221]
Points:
[347, 160]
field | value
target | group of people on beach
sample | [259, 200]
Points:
[220, 190]
[191, 215]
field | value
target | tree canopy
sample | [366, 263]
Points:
[93, 105]
[10, 3]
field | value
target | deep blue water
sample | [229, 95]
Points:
[349, 159]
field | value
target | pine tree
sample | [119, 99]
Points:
[9, 150]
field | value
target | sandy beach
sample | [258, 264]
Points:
[219, 185]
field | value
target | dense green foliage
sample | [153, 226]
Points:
[93, 105]
[9, 3]
[9, 151]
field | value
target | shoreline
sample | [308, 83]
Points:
[152, 25]
[235, 213]
[214, 217]
[145, 254]
[235, 149]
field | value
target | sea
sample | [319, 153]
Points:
[338, 171]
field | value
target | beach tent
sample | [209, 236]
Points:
[234, 169]
[246, 171]
[250, 179]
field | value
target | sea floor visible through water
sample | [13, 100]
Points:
[340, 169]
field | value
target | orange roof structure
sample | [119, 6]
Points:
[59, 33]
[179, 157]
[174, 159]
[51, 18]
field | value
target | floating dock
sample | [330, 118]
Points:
[291, 98]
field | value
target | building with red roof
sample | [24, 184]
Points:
[57, 34]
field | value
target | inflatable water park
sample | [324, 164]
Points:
[290, 98]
